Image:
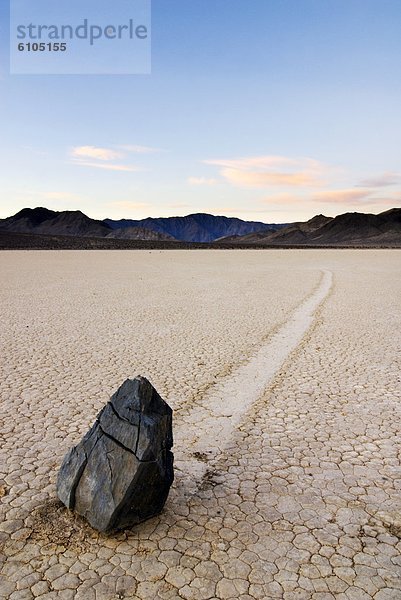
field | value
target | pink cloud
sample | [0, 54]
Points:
[270, 179]
[384, 180]
[346, 196]
[95, 153]
[270, 171]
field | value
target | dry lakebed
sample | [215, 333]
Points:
[282, 368]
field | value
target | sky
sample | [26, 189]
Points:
[267, 110]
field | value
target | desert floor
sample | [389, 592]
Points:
[281, 367]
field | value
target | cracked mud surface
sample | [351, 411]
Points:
[300, 500]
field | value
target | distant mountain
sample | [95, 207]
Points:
[193, 228]
[138, 233]
[346, 229]
[354, 227]
[49, 222]
[74, 223]
[198, 227]
[349, 229]
[295, 232]
[32, 217]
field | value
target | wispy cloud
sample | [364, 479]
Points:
[94, 152]
[355, 198]
[346, 196]
[391, 200]
[265, 162]
[384, 180]
[271, 171]
[263, 180]
[201, 181]
[110, 159]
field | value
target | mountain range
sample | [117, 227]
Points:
[348, 229]
[351, 229]
[200, 227]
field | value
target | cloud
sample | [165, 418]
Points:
[347, 196]
[105, 154]
[261, 180]
[108, 167]
[264, 162]
[270, 171]
[384, 180]
[391, 200]
[105, 158]
[201, 181]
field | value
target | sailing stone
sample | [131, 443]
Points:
[121, 472]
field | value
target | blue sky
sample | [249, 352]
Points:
[269, 110]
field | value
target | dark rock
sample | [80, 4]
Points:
[121, 471]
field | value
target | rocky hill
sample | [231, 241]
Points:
[49, 222]
[198, 227]
[75, 223]
[348, 229]
[138, 233]
[192, 228]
